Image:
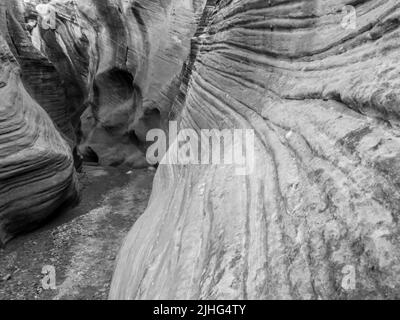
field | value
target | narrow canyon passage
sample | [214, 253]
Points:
[98, 97]
[81, 243]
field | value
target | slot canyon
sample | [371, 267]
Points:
[84, 83]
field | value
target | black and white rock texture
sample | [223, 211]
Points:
[37, 172]
[319, 217]
[120, 63]
[322, 97]
[104, 71]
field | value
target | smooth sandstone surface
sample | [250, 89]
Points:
[104, 72]
[120, 62]
[37, 173]
[318, 218]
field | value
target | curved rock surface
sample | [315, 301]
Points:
[120, 63]
[36, 165]
[44, 80]
[105, 76]
[318, 218]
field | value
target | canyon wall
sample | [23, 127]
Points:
[121, 62]
[105, 72]
[37, 173]
[318, 217]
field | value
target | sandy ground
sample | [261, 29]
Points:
[81, 243]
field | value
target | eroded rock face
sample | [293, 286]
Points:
[104, 71]
[318, 218]
[46, 81]
[141, 56]
[120, 64]
[36, 164]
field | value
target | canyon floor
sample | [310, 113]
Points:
[81, 243]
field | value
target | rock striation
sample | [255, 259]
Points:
[319, 216]
[105, 72]
[317, 81]
[37, 172]
[120, 64]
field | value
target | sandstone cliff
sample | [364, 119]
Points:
[318, 216]
[36, 165]
[104, 71]
[120, 63]
[323, 203]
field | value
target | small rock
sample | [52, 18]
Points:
[151, 169]
[129, 172]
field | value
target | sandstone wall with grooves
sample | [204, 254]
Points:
[41, 77]
[105, 74]
[324, 200]
[36, 165]
[120, 63]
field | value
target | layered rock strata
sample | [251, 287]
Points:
[318, 217]
[37, 173]
[120, 63]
